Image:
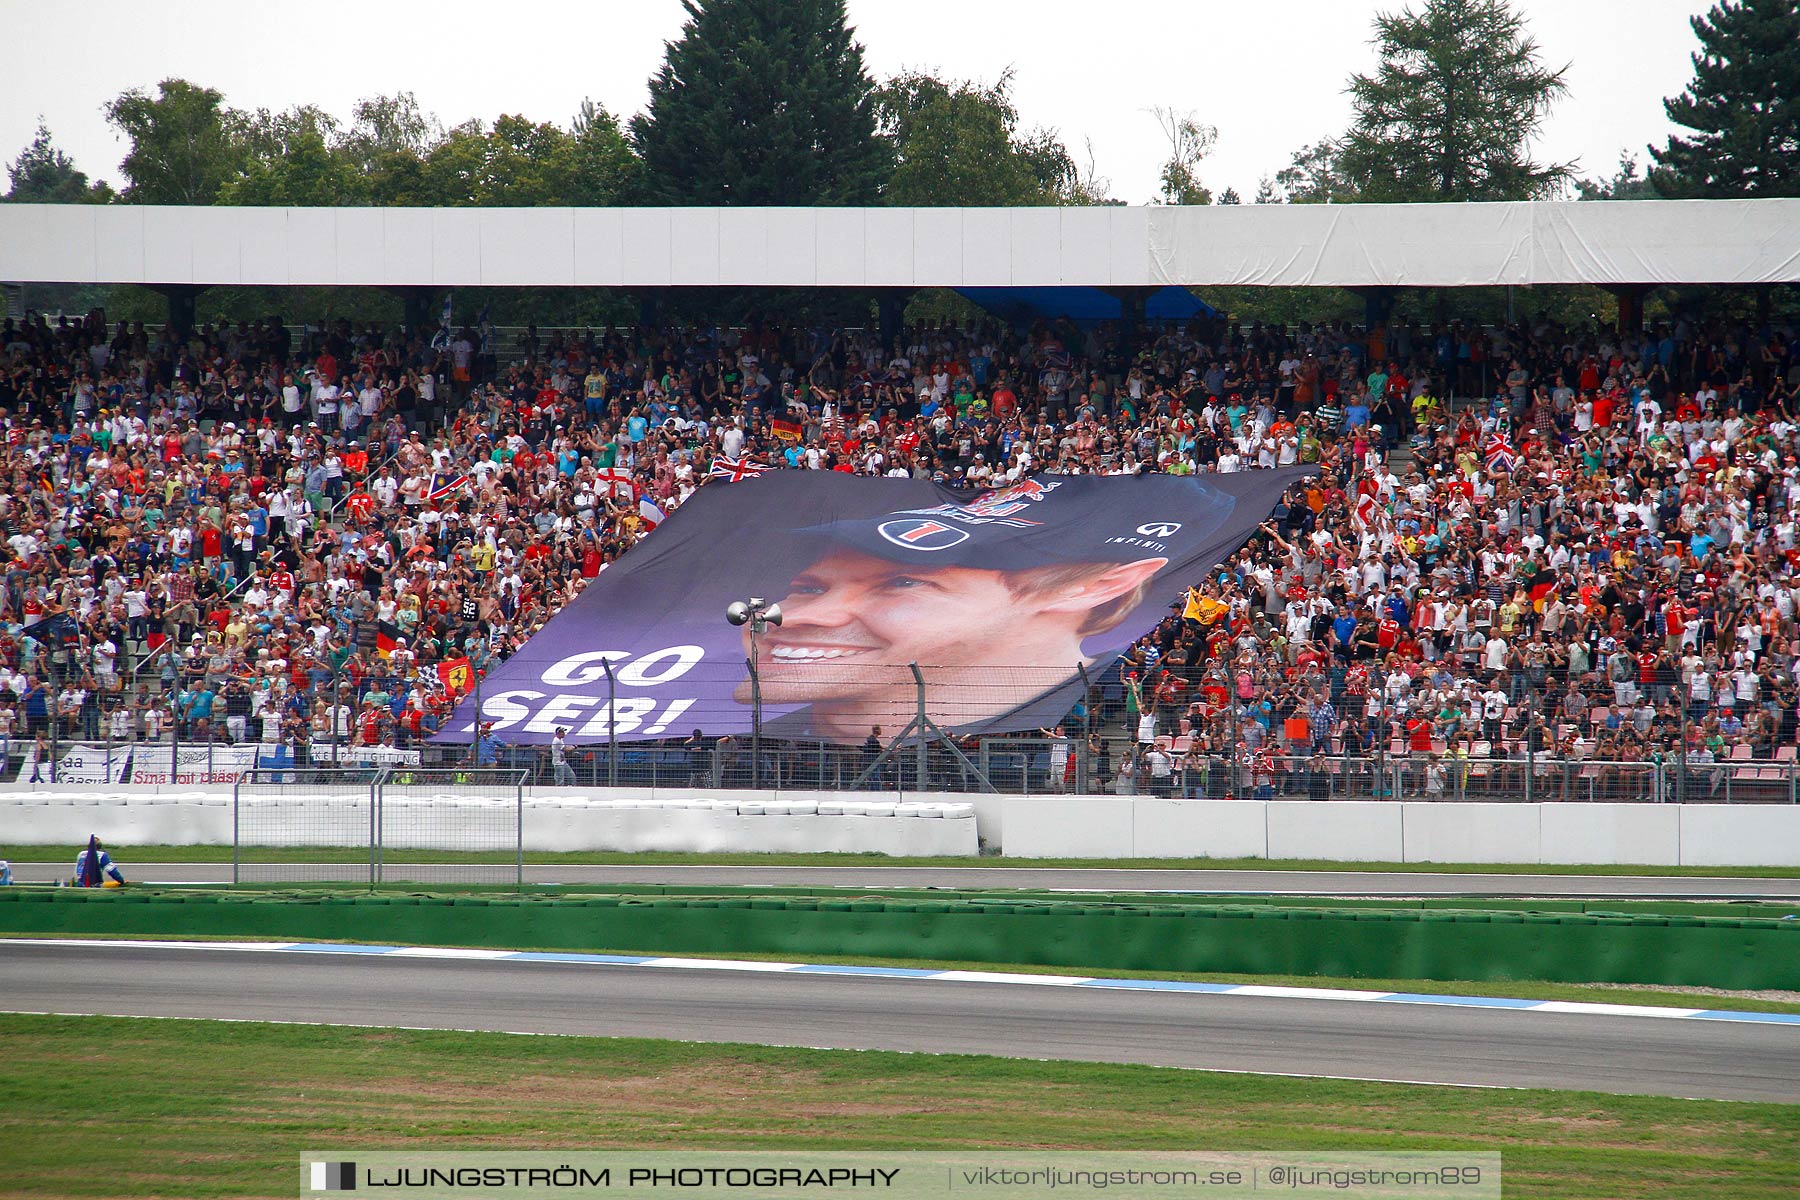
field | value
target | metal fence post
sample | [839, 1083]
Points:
[375, 827]
[236, 788]
[612, 728]
[54, 708]
[475, 742]
[1083, 784]
[519, 832]
[919, 776]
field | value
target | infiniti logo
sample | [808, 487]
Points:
[1159, 528]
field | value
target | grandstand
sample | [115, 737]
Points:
[277, 544]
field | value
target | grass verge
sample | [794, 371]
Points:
[93, 1106]
[222, 854]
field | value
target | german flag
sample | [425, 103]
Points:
[787, 431]
[387, 636]
[1539, 586]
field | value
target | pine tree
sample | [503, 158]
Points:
[761, 102]
[1743, 106]
[1451, 110]
[43, 174]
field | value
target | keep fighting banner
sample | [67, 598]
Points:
[1000, 597]
[325, 754]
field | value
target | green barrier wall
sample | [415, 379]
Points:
[1249, 939]
[1662, 906]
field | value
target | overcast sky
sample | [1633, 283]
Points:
[1268, 73]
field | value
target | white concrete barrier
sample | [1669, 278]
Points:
[1610, 834]
[571, 823]
[1469, 832]
[1227, 828]
[1021, 826]
[1067, 827]
[1345, 831]
[1721, 835]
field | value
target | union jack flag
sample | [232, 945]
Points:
[735, 470]
[1499, 456]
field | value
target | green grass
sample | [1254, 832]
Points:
[94, 1106]
[1658, 997]
[218, 854]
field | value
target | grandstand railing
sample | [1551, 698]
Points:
[1098, 753]
[1013, 765]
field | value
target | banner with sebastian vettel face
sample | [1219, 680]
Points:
[1000, 597]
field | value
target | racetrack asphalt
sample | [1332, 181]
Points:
[1633, 1054]
[1131, 879]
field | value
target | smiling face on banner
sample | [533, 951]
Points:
[999, 597]
[854, 623]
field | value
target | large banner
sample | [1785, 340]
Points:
[1001, 598]
[217, 763]
[78, 764]
[324, 754]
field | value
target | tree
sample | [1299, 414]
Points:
[1189, 143]
[182, 145]
[1090, 186]
[522, 163]
[387, 142]
[1743, 106]
[956, 142]
[1314, 176]
[1267, 192]
[1626, 184]
[1230, 196]
[761, 102]
[1451, 111]
[527, 164]
[43, 174]
[605, 169]
[381, 125]
[291, 158]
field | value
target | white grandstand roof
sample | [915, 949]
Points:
[1351, 245]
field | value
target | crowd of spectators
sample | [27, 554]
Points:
[257, 533]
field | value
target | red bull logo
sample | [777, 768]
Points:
[1007, 501]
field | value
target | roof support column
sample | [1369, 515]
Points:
[1132, 304]
[890, 315]
[1631, 305]
[1378, 306]
[417, 301]
[650, 306]
[181, 297]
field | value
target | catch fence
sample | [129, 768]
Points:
[285, 823]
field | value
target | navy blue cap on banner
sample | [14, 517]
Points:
[1036, 522]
